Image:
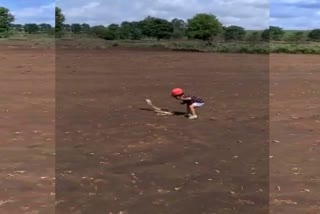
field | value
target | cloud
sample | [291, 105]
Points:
[251, 14]
[36, 14]
[295, 14]
[296, 23]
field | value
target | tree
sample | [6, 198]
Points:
[276, 33]
[130, 30]
[85, 28]
[17, 27]
[147, 26]
[179, 28]
[157, 28]
[45, 28]
[136, 33]
[66, 27]
[126, 29]
[6, 19]
[272, 33]
[60, 18]
[314, 35]
[297, 36]
[204, 27]
[162, 29]
[253, 36]
[113, 32]
[265, 36]
[234, 33]
[99, 31]
[31, 28]
[76, 28]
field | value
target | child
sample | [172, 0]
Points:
[191, 101]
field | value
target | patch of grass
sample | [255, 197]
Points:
[23, 42]
[85, 42]
[175, 45]
[289, 48]
[200, 46]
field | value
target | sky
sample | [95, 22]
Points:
[31, 11]
[295, 14]
[251, 14]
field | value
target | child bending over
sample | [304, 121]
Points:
[191, 101]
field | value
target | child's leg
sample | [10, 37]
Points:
[188, 110]
[191, 109]
[193, 106]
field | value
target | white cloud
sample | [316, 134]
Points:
[252, 14]
[295, 14]
[40, 14]
[34, 11]
[299, 1]
[49, 6]
[296, 23]
[86, 9]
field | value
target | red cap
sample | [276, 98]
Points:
[177, 92]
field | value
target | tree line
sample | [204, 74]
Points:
[201, 26]
[32, 28]
[7, 25]
[205, 27]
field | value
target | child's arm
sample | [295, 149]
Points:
[185, 98]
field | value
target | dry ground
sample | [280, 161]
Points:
[27, 131]
[130, 160]
[295, 132]
[113, 156]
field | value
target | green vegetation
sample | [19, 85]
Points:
[59, 21]
[236, 33]
[203, 32]
[6, 19]
[204, 27]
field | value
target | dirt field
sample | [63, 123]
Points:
[113, 156]
[295, 132]
[129, 160]
[27, 131]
